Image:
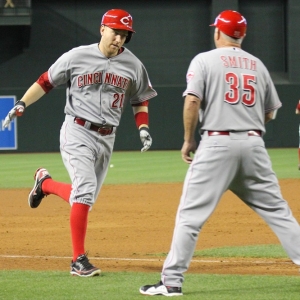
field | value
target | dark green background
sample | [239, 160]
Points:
[168, 35]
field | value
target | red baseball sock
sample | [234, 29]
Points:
[78, 223]
[61, 189]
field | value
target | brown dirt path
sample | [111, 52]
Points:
[128, 224]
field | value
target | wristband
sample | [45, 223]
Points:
[141, 118]
[20, 102]
[144, 128]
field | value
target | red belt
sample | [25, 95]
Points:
[102, 130]
[250, 132]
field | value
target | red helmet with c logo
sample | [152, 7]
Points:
[231, 23]
[118, 19]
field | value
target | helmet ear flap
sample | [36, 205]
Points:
[128, 38]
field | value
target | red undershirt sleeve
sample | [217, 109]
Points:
[141, 117]
[44, 82]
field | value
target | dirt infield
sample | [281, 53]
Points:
[130, 223]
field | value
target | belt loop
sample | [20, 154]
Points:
[87, 125]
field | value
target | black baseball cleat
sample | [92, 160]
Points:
[83, 268]
[36, 195]
[160, 289]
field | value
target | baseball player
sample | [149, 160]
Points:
[100, 80]
[298, 113]
[238, 97]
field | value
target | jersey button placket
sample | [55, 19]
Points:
[103, 86]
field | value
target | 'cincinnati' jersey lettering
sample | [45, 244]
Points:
[96, 78]
[116, 80]
[88, 79]
[238, 62]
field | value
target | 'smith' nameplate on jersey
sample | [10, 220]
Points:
[8, 135]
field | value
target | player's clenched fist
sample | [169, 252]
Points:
[16, 111]
[146, 138]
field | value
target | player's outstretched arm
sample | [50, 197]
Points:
[34, 93]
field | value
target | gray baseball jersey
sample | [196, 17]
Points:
[98, 88]
[237, 91]
[226, 76]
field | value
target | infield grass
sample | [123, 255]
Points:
[251, 251]
[16, 171]
[26, 285]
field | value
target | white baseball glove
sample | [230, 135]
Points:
[146, 138]
[16, 111]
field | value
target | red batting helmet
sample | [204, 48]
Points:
[231, 23]
[118, 19]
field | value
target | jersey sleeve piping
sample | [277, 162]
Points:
[191, 92]
[273, 108]
[154, 94]
[51, 80]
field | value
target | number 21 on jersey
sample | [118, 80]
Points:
[118, 100]
[240, 82]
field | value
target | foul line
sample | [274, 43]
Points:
[147, 259]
